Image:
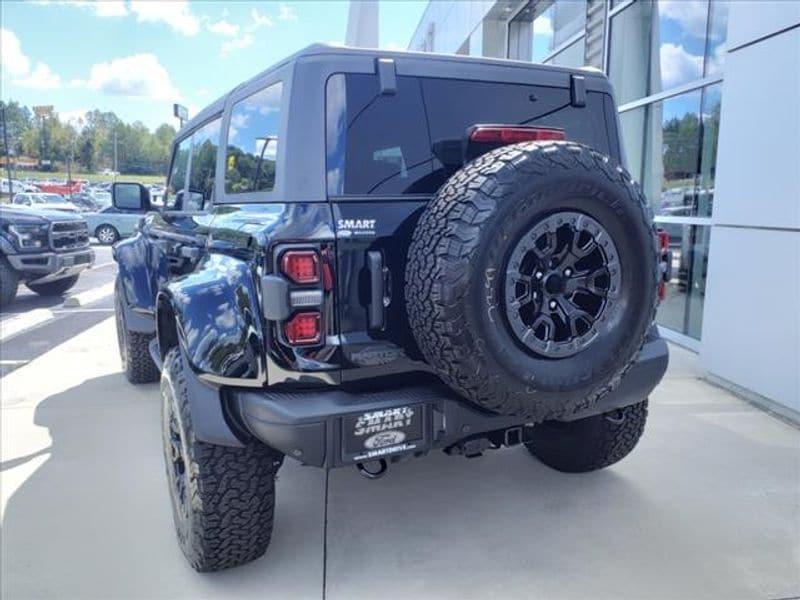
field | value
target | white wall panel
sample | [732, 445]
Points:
[751, 322]
[750, 20]
[758, 165]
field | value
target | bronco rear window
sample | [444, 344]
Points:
[386, 144]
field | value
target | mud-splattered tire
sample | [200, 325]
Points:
[461, 254]
[54, 288]
[9, 282]
[223, 498]
[134, 349]
[589, 444]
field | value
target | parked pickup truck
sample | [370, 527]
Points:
[45, 250]
[364, 256]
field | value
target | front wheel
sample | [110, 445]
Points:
[589, 444]
[106, 235]
[9, 282]
[134, 349]
[54, 288]
[223, 498]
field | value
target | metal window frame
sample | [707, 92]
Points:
[676, 91]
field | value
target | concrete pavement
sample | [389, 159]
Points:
[708, 506]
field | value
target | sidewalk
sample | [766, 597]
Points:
[708, 506]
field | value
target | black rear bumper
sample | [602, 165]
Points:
[310, 426]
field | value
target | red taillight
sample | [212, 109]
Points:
[663, 240]
[497, 134]
[304, 328]
[301, 266]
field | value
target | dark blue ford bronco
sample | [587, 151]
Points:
[363, 256]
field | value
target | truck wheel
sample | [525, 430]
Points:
[589, 444]
[134, 349]
[53, 288]
[9, 282]
[106, 235]
[532, 279]
[223, 498]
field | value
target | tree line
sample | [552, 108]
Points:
[87, 145]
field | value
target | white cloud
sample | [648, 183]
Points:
[224, 28]
[237, 44]
[40, 78]
[137, 75]
[175, 13]
[286, 13]
[678, 66]
[104, 8]
[73, 117]
[258, 20]
[691, 15]
[15, 63]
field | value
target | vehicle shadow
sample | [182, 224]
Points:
[94, 520]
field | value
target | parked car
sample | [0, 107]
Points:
[45, 250]
[84, 201]
[111, 224]
[42, 200]
[347, 275]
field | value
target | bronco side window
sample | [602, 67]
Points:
[253, 142]
[177, 174]
[205, 142]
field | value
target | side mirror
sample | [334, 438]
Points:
[130, 196]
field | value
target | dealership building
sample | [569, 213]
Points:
[709, 103]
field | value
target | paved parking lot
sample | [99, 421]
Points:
[708, 506]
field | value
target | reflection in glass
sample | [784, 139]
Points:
[672, 154]
[253, 142]
[542, 27]
[682, 309]
[632, 123]
[712, 105]
[717, 37]
[204, 161]
[571, 56]
[177, 175]
[658, 46]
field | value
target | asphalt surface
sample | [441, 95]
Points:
[707, 506]
[34, 324]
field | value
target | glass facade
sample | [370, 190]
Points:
[666, 60]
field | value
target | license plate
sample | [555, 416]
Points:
[374, 434]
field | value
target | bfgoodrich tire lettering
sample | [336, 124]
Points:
[589, 444]
[459, 256]
[223, 499]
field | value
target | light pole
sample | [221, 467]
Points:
[8, 153]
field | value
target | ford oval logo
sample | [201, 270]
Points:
[384, 438]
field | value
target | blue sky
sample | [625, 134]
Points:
[137, 58]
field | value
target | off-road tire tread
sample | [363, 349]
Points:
[607, 441]
[140, 367]
[232, 491]
[447, 236]
[9, 283]
[53, 288]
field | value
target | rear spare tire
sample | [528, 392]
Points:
[532, 279]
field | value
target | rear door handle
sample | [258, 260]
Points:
[376, 289]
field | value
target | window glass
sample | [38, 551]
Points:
[127, 197]
[571, 56]
[569, 18]
[205, 142]
[253, 142]
[177, 175]
[672, 155]
[657, 46]
[542, 39]
[712, 106]
[682, 309]
[717, 37]
[382, 136]
[398, 144]
[632, 124]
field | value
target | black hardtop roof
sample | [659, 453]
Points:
[334, 50]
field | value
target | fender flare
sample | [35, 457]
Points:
[134, 285]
